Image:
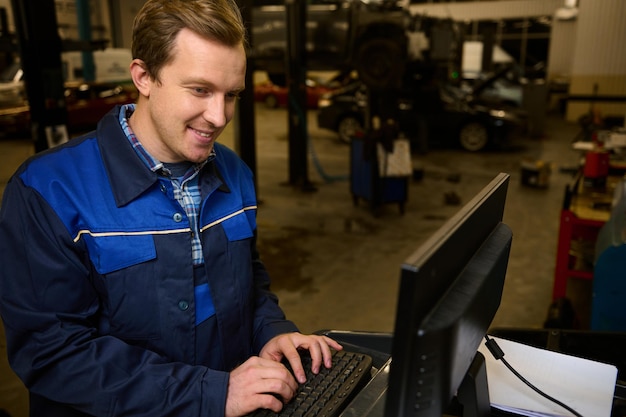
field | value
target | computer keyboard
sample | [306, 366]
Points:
[329, 392]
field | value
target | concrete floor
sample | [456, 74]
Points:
[336, 265]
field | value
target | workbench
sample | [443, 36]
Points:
[586, 208]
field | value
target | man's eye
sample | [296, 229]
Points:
[200, 91]
[233, 96]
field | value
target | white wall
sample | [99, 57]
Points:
[561, 54]
[598, 56]
[601, 37]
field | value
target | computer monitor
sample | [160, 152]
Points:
[450, 290]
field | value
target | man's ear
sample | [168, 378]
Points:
[140, 76]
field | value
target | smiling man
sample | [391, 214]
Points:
[183, 107]
[130, 280]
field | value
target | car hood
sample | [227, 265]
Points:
[483, 84]
[459, 100]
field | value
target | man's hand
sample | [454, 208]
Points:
[259, 383]
[286, 346]
[264, 382]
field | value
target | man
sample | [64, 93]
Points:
[130, 281]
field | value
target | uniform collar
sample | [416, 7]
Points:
[128, 174]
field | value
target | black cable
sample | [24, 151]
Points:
[497, 353]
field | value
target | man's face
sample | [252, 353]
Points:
[194, 99]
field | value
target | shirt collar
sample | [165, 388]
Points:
[150, 161]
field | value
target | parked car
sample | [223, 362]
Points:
[453, 117]
[110, 64]
[278, 96]
[343, 110]
[86, 103]
[504, 85]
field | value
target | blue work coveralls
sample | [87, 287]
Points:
[97, 288]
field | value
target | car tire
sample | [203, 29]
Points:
[348, 127]
[271, 101]
[380, 63]
[474, 136]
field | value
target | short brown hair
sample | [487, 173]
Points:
[158, 22]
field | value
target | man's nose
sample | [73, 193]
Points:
[215, 111]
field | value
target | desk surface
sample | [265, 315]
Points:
[606, 347]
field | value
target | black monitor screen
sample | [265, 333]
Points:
[450, 290]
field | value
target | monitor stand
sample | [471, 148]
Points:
[473, 394]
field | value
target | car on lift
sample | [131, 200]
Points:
[327, 34]
[453, 117]
[337, 33]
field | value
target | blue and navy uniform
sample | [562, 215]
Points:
[103, 311]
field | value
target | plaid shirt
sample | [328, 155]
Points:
[186, 189]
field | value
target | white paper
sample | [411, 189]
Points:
[584, 385]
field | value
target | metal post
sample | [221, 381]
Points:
[245, 132]
[40, 50]
[296, 80]
[83, 13]
[489, 37]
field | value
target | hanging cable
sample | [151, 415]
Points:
[497, 353]
[318, 166]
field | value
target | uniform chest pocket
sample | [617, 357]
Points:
[238, 227]
[129, 282]
[112, 253]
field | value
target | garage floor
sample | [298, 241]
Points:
[336, 265]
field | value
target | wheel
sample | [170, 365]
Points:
[271, 101]
[380, 55]
[348, 127]
[474, 136]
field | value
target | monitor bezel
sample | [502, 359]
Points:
[430, 275]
